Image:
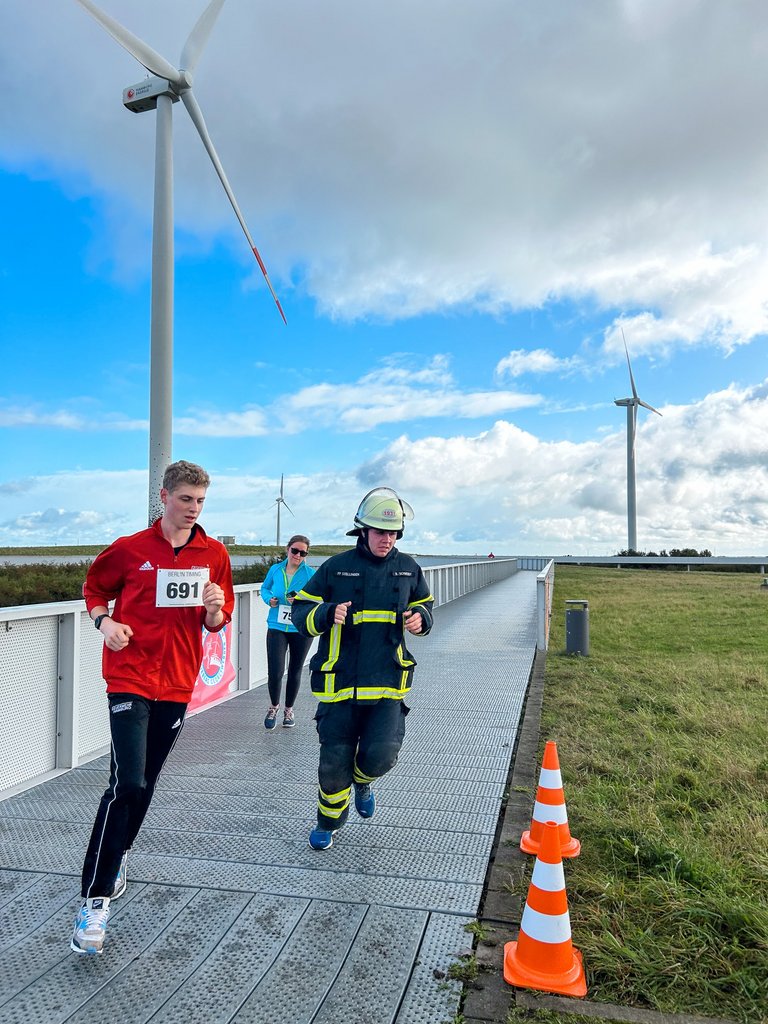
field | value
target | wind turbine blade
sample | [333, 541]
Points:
[629, 365]
[288, 507]
[196, 114]
[646, 406]
[198, 37]
[281, 485]
[144, 54]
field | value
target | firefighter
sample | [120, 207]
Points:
[362, 604]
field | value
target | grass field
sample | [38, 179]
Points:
[662, 734]
[83, 550]
[39, 583]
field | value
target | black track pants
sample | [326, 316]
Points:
[279, 642]
[358, 743]
[143, 735]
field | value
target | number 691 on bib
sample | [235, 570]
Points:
[180, 588]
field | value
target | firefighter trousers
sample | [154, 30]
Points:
[358, 744]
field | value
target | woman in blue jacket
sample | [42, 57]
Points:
[283, 580]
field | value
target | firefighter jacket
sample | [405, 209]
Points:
[365, 658]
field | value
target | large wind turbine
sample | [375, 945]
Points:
[632, 404]
[167, 86]
[280, 500]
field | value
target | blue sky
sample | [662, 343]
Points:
[460, 210]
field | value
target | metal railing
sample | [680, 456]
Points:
[545, 585]
[52, 707]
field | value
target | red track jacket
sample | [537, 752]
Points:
[163, 657]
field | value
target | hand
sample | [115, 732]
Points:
[116, 634]
[273, 602]
[213, 598]
[340, 613]
[412, 621]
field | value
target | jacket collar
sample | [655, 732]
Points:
[198, 540]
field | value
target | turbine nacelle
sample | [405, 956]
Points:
[145, 95]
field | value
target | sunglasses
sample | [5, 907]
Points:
[299, 552]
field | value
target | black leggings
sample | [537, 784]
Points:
[279, 642]
[143, 735]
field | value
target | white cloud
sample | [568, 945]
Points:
[539, 360]
[503, 488]
[696, 487]
[63, 419]
[389, 394]
[424, 157]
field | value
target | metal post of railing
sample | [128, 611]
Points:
[67, 690]
[544, 588]
[244, 601]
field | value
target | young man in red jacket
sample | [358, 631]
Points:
[167, 582]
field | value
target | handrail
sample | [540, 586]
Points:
[50, 664]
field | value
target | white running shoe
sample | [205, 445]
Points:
[90, 926]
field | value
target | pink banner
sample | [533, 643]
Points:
[216, 671]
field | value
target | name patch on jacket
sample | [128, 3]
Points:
[341, 573]
[403, 573]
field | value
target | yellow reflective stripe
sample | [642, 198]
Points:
[304, 595]
[335, 798]
[362, 778]
[373, 616]
[334, 645]
[377, 692]
[401, 660]
[332, 812]
[423, 600]
[310, 623]
[329, 697]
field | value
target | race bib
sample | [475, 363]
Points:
[284, 614]
[180, 588]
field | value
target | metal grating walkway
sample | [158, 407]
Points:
[229, 916]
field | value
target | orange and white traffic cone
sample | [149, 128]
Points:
[543, 956]
[550, 806]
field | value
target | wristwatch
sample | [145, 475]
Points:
[97, 621]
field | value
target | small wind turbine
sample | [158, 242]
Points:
[167, 86]
[632, 404]
[280, 500]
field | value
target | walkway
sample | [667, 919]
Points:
[229, 916]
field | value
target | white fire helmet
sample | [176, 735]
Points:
[383, 510]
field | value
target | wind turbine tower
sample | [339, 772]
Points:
[280, 500]
[631, 406]
[167, 86]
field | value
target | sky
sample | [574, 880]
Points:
[462, 209]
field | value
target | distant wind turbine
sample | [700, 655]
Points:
[280, 500]
[168, 86]
[632, 404]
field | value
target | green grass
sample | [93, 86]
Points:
[71, 550]
[662, 734]
[39, 583]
